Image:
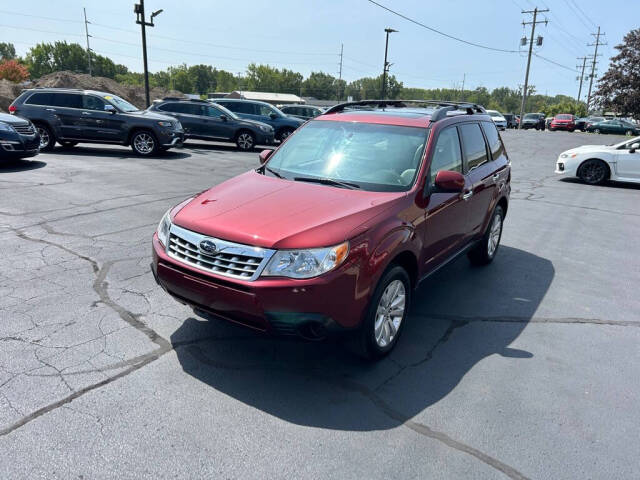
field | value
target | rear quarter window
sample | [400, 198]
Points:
[40, 98]
[473, 144]
[493, 138]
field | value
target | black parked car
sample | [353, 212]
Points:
[18, 137]
[70, 116]
[284, 125]
[304, 112]
[511, 120]
[533, 120]
[206, 121]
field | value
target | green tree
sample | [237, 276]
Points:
[182, 81]
[264, 78]
[320, 85]
[619, 87]
[203, 78]
[7, 51]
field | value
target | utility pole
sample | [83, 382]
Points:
[593, 65]
[584, 64]
[138, 9]
[86, 30]
[464, 76]
[340, 72]
[533, 24]
[386, 64]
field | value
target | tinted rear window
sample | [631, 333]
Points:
[473, 145]
[67, 100]
[493, 138]
[39, 99]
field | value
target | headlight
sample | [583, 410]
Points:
[163, 228]
[165, 124]
[306, 263]
[265, 128]
[6, 127]
[564, 155]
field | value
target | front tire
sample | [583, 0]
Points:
[386, 314]
[593, 172]
[596, 130]
[245, 141]
[67, 143]
[485, 251]
[628, 133]
[47, 138]
[144, 143]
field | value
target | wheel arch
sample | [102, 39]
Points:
[140, 128]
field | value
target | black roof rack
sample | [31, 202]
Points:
[442, 107]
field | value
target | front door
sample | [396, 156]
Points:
[98, 124]
[627, 163]
[446, 220]
[217, 124]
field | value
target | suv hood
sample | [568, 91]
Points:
[269, 212]
[151, 115]
[12, 119]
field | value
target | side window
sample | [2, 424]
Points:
[39, 99]
[446, 155]
[68, 100]
[92, 103]
[493, 138]
[212, 111]
[168, 107]
[475, 149]
[264, 110]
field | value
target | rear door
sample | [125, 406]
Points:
[446, 219]
[480, 176]
[68, 109]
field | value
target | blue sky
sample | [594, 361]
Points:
[305, 35]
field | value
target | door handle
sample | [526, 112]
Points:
[50, 109]
[86, 113]
[468, 195]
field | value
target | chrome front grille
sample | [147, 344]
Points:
[24, 129]
[231, 259]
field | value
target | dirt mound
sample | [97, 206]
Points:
[135, 95]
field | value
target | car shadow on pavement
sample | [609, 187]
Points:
[115, 152]
[20, 165]
[223, 147]
[608, 184]
[460, 316]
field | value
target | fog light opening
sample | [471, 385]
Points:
[314, 331]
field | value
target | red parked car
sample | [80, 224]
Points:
[336, 228]
[563, 121]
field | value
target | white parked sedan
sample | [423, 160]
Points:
[498, 119]
[596, 164]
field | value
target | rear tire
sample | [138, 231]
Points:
[485, 250]
[596, 130]
[386, 315]
[284, 133]
[628, 133]
[144, 143]
[593, 172]
[47, 138]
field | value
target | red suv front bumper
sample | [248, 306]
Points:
[326, 303]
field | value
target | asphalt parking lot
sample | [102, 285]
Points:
[527, 368]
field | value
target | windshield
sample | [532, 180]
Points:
[226, 111]
[373, 157]
[564, 117]
[627, 143]
[122, 104]
[493, 113]
[531, 116]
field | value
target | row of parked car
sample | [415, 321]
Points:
[43, 117]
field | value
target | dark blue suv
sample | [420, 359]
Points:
[283, 125]
[206, 121]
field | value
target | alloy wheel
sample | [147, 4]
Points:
[245, 141]
[593, 172]
[45, 139]
[144, 143]
[390, 313]
[494, 235]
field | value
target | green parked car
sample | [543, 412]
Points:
[618, 127]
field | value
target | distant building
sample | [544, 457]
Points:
[269, 97]
[320, 103]
[217, 95]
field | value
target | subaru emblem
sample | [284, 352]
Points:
[207, 246]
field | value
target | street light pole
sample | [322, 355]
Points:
[386, 64]
[138, 9]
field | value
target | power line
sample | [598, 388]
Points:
[440, 32]
[577, 15]
[582, 12]
[554, 63]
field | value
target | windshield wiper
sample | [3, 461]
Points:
[271, 170]
[327, 181]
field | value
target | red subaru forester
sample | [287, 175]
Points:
[337, 227]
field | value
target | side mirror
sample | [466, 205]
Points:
[264, 156]
[223, 118]
[109, 108]
[449, 181]
[634, 147]
[273, 116]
